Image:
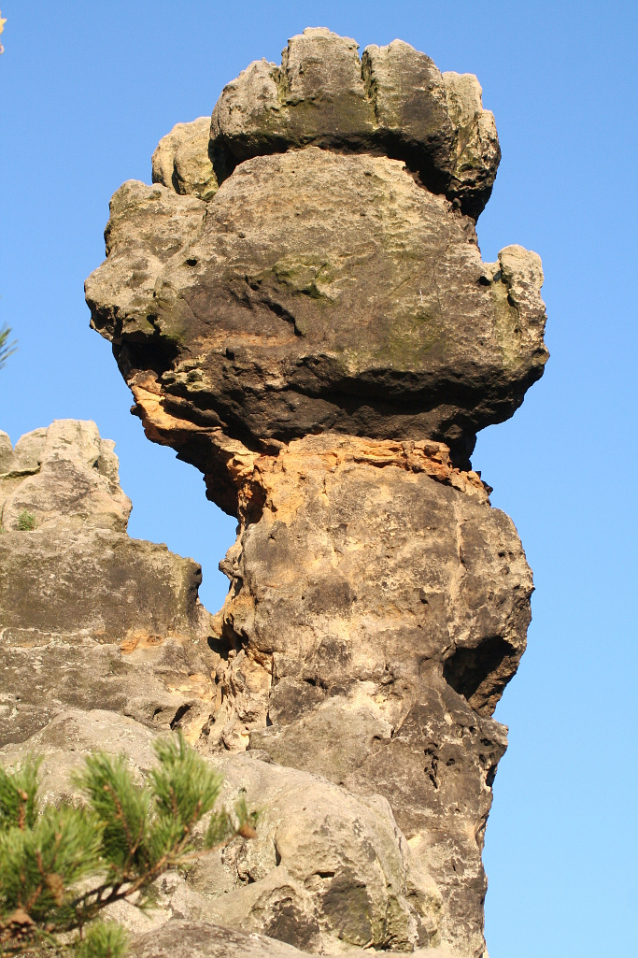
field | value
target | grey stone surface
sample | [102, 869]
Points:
[393, 101]
[181, 160]
[326, 871]
[89, 617]
[317, 292]
[199, 939]
[6, 453]
[73, 734]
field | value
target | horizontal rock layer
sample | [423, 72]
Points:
[319, 292]
[393, 101]
[199, 939]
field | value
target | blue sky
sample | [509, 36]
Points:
[87, 90]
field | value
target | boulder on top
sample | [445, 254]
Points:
[181, 160]
[393, 102]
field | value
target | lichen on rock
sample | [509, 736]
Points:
[318, 292]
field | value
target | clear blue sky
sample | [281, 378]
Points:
[87, 90]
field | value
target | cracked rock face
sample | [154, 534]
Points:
[328, 872]
[90, 618]
[300, 308]
[377, 609]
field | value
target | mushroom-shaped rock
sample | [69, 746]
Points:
[316, 292]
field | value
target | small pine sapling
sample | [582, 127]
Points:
[60, 867]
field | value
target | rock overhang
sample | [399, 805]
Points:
[318, 291]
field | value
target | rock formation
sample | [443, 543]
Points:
[90, 618]
[299, 306]
[103, 644]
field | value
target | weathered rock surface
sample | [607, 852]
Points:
[90, 618]
[181, 160]
[393, 101]
[199, 939]
[73, 734]
[379, 606]
[327, 871]
[318, 292]
[320, 337]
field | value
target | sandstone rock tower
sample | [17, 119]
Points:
[299, 306]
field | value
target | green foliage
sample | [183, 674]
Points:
[103, 940]
[122, 808]
[124, 837]
[26, 521]
[38, 864]
[18, 796]
[6, 348]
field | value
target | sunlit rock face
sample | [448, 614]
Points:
[300, 308]
[319, 292]
[392, 101]
[90, 618]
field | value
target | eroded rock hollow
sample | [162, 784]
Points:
[300, 308]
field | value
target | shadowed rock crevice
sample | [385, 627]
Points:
[480, 674]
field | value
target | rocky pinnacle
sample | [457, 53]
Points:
[299, 306]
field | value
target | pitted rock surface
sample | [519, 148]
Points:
[181, 160]
[301, 311]
[327, 871]
[319, 292]
[90, 618]
[378, 607]
[200, 939]
[393, 101]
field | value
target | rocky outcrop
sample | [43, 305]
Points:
[90, 618]
[299, 306]
[318, 292]
[103, 646]
[392, 101]
[193, 939]
[327, 872]
[322, 340]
